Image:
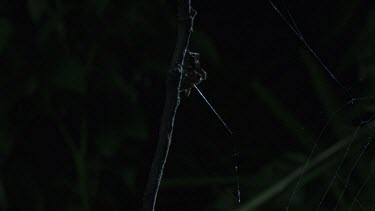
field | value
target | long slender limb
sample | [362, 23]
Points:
[173, 83]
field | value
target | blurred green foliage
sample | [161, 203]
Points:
[72, 118]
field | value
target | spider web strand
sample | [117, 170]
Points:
[312, 51]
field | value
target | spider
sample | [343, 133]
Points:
[193, 74]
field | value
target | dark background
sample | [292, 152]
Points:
[82, 90]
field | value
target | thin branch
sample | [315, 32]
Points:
[173, 83]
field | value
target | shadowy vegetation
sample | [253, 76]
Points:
[82, 90]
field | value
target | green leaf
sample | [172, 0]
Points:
[130, 178]
[269, 193]
[5, 33]
[6, 141]
[286, 117]
[100, 5]
[108, 143]
[36, 9]
[72, 77]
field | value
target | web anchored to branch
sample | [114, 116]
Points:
[365, 128]
[184, 74]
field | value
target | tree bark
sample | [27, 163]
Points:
[173, 84]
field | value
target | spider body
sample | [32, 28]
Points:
[193, 74]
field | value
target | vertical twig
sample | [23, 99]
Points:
[173, 83]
